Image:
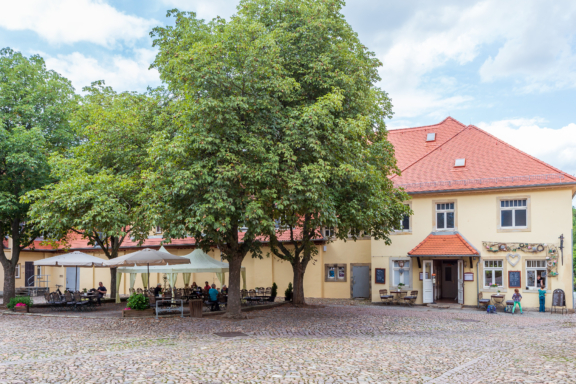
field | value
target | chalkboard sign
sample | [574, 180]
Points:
[514, 279]
[558, 298]
[380, 276]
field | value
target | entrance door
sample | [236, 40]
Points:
[72, 279]
[428, 291]
[29, 274]
[361, 281]
[460, 282]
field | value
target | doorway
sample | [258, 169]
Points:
[360, 280]
[29, 274]
[449, 281]
[72, 279]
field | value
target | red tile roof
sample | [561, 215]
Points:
[444, 244]
[411, 145]
[490, 162]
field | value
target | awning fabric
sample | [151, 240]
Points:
[445, 244]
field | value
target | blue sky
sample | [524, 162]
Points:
[507, 67]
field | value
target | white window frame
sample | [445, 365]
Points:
[401, 228]
[541, 267]
[406, 277]
[445, 211]
[158, 229]
[514, 205]
[494, 267]
[17, 272]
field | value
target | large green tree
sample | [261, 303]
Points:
[97, 197]
[334, 160]
[215, 169]
[35, 104]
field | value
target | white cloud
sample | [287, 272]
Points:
[533, 39]
[556, 147]
[205, 9]
[120, 72]
[71, 21]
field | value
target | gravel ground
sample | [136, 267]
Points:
[328, 343]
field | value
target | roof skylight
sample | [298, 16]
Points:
[431, 137]
[460, 163]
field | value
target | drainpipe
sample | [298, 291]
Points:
[477, 284]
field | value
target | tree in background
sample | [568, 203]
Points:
[213, 172]
[330, 138]
[97, 196]
[34, 107]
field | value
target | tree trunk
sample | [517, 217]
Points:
[113, 283]
[298, 284]
[9, 281]
[234, 309]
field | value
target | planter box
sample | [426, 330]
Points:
[25, 309]
[137, 313]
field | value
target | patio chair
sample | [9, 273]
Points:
[81, 305]
[411, 298]
[385, 297]
[484, 303]
[59, 303]
[131, 291]
[70, 303]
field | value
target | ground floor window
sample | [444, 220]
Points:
[401, 272]
[536, 274]
[493, 272]
[335, 272]
[17, 273]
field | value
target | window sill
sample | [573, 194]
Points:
[489, 290]
[533, 290]
[401, 233]
[504, 230]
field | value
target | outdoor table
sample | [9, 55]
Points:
[89, 297]
[398, 295]
[498, 300]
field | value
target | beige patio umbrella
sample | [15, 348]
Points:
[72, 259]
[145, 257]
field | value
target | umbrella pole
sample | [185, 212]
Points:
[76, 282]
[148, 276]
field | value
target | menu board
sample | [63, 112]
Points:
[468, 276]
[514, 280]
[380, 276]
[558, 298]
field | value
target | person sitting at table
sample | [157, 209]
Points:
[101, 292]
[224, 290]
[213, 294]
[158, 290]
[207, 286]
[194, 286]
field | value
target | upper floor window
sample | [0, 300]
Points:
[405, 223]
[329, 232]
[158, 229]
[445, 215]
[513, 213]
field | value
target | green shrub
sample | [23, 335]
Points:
[138, 302]
[274, 291]
[19, 299]
[288, 292]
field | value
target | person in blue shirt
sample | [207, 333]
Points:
[213, 294]
[542, 297]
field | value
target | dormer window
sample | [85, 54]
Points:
[460, 163]
[431, 137]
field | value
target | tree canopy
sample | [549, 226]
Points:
[35, 105]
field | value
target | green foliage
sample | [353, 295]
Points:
[35, 105]
[274, 291]
[19, 299]
[138, 302]
[288, 292]
[97, 196]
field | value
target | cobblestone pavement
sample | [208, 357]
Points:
[317, 344]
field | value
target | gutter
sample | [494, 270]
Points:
[489, 188]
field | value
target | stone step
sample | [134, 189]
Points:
[445, 306]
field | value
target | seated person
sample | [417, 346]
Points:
[207, 286]
[158, 290]
[213, 293]
[224, 289]
[101, 292]
[194, 286]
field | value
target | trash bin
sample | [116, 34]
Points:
[195, 308]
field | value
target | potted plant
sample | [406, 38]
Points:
[400, 286]
[20, 304]
[84, 290]
[288, 293]
[495, 286]
[137, 306]
[273, 292]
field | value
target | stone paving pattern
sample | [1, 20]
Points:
[337, 342]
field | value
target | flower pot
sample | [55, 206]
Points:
[24, 309]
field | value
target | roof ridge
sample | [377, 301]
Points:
[521, 152]
[432, 151]
[426, 126]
